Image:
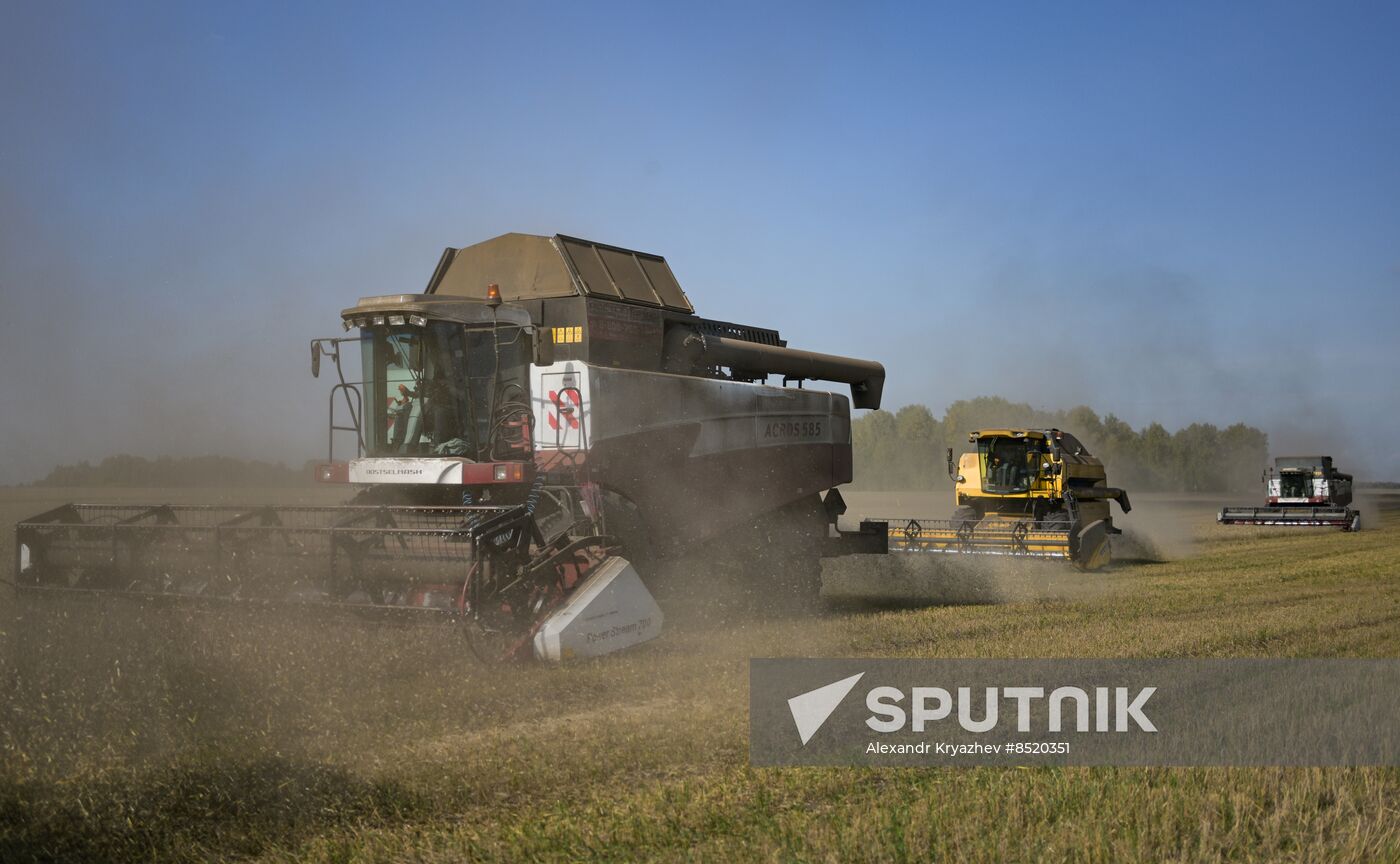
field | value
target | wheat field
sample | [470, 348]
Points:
[131, 733]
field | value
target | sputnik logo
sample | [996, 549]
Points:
[811, 709]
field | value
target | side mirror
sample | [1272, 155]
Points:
[315, 359]
[953, 468]
[543, 347]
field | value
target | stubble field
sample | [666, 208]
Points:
[134, 733]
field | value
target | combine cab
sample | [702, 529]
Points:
[1026, 493]
[1300, 492]
[547, 412]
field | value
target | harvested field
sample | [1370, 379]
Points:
[131, 732]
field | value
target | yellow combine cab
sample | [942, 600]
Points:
[1022, 492]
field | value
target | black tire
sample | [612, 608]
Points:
[624, 521]
[780, 557]
[768, 566]
[792, 549]
[1057, 520]
[965, 515]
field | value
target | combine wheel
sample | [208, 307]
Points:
[794, 538]
[623, 520]
[770, 565]
[965, 515]
[1057, 520]
[490, 641]
[778, 557]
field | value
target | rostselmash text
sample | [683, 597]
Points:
[1074, 709]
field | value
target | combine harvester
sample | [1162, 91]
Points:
[1028, 493]
[1300, 492]
[549, 411]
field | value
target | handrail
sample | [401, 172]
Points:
[356, 413]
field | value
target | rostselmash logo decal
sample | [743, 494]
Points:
[811, 709]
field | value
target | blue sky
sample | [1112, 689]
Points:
[1191, 211]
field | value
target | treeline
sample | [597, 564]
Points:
[127, 470]
[900, 451]
[906, 450]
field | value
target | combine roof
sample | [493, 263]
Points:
[1282, 462]
[533, 267]
[1006, 433]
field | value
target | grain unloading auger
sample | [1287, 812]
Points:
[548, 411]
[1023, 493]
[1300, 492]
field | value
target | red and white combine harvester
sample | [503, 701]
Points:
[1301, 492]
[548, 412]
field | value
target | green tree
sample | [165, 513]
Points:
[905, 450]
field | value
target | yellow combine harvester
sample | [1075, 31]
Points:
[1034, 493]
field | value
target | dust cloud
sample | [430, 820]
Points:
[952, 580]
